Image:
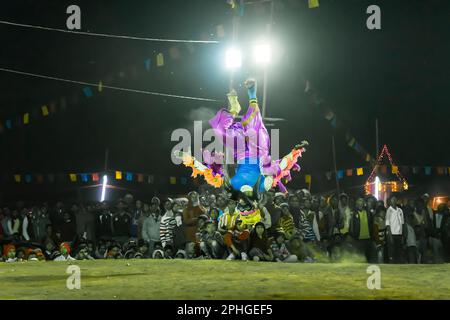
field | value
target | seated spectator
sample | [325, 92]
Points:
[101, 250]
[83, 253]
[64, 250]
[114, 252]
[236, 241]
[298, 248]
[259, 244]
[214, 216]
[211, 242]
[280, 250]
[9, 253]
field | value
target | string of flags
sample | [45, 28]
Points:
[382, 169]
[96, 177]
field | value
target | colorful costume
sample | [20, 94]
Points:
[250, 144]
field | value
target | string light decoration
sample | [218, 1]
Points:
[385, 186]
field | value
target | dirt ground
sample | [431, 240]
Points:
[222, 280]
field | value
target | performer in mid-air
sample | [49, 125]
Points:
[249, 144]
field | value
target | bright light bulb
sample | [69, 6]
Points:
[262, 53]
[233, 58]
[105, 182]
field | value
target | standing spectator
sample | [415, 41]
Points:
[361, 228]
[379, 232]
[135, 231]
[345, 213]
[411, 241]
[68, 228]
[190, 217]
[105, 222]
[85, 221]
[394, 228]
[41, 221]
[28, 224]
[259, 244]
[436, 233]
[214, 216]
[422, 227]
[167, 224]
[14, 225]
[151, 226]
[121, 224]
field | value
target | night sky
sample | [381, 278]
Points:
[399, 74]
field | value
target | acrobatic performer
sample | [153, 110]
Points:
[249, 143]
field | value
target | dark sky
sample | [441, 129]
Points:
[399, 74]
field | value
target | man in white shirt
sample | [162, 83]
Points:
[394, 229]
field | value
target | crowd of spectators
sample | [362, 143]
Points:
[294, 227]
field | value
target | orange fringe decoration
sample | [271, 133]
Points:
[214, 180]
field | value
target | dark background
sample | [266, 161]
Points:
[399, 74]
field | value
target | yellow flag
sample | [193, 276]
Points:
[160, 60]
[26, 118]
[44, 111]
[73, 177]
[308, 179]
[118, 175]
[394, 169]
[313, 4]
[173, 180]
[17, 177]
[359, 171]
[367, 157]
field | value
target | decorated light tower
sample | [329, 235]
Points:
[382, 185]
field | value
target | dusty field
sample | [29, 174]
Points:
[181, 279]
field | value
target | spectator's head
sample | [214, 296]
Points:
[154, 204]
[146, 208]
[143, 247]
[393, 201]
[105, 206]
[181, 254]
[285, 209]
[128, 199]
[213, 214]
[322, 202]
[315, 203]
[343, 199]
[279, 198]
[168, 205]
[158, 254]
[359, 204]
[280, 238]
[121, 205]
[193, 197]
[222, 201]
[9, 251]
[168, 251]
[442, 208]
[426, 198]
[210, 227]
[64, 248]
[211, 200]
[260, 229]
[138, 204]
[231, 205]
[50, 246]
[66, 216]
[15, 214]
[74, 208]
[334, 202]
[294, 201]
[371, 202]
[21, 254]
